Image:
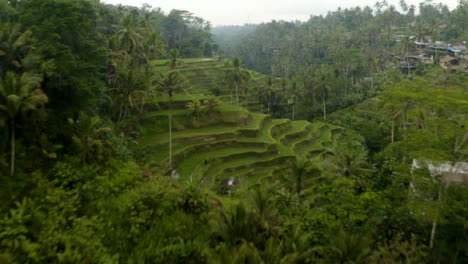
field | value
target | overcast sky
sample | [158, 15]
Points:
[238, 12]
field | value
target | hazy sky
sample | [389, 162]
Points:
[238, 12]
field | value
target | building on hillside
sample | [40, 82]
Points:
[420, 58]
[409, 63]
[400, 38]
[450, 172]
[407, 67]
[438, 46]
[455, 52]
[451, 64]
[459, 45]
[421, 45]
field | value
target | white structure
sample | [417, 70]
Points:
[451, 173]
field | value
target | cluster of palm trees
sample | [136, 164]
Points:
[252, 230]
[348, 160]
[236, 77]
[130, 79]
[20, 81]
[315, 82]
[197, 109]
[131, 82]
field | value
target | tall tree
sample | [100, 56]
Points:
[79, 53]
[15, 45]
[237, 75]
[350, 161]
[19, 93]
[88, 135]
[129, 37]
[322, 87]
[173, 59]
[294, 93]
[302, 175]
[170, 84]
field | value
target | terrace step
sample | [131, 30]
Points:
[221, 155]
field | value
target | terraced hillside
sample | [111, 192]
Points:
[206, 76]
[229, 141]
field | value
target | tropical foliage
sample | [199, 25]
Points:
[108, 154]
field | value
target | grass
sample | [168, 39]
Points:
[206, 76]
[180, 97]
[157, 139]
[188, 165]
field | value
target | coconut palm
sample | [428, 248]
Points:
[170, 84]
[393, 109]
[129, 37]
[322, 87]
[47, 148]
[302, 176]
[19, 93]
[235, 226]
[263, 201]
[131, 88]
[14, 45]
[297, 246]
[195, 109]
[371, 59]
[294, 92]
[174, 60]
[211, 102]
[263, 95]
[88, 135]
[350, 247]
[266, 94]
[237, 75]
[350, 162]
[153, 47]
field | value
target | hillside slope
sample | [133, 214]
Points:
[228, 141]
[206, 76]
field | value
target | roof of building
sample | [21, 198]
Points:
[450, 172]
[441, 167]
[447, 59]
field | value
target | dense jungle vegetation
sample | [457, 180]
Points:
[131, 135]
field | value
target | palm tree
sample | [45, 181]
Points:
[88, 133]
[174, 59]
[404, 49]
[132, 87]
[393, 110]
[152, 47]
[267, 94]
[129, 38]
[195, 109]
[235, 226]
[237, 75]
[297, 246]
[294, 92]
[420, 30]
[14, 45]
[371, 59]
[322, 87]
[263, 201]
[19, 93]
[170, 83]
[351, 162]
[211, 102]
[350, 247]
[302, 175]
